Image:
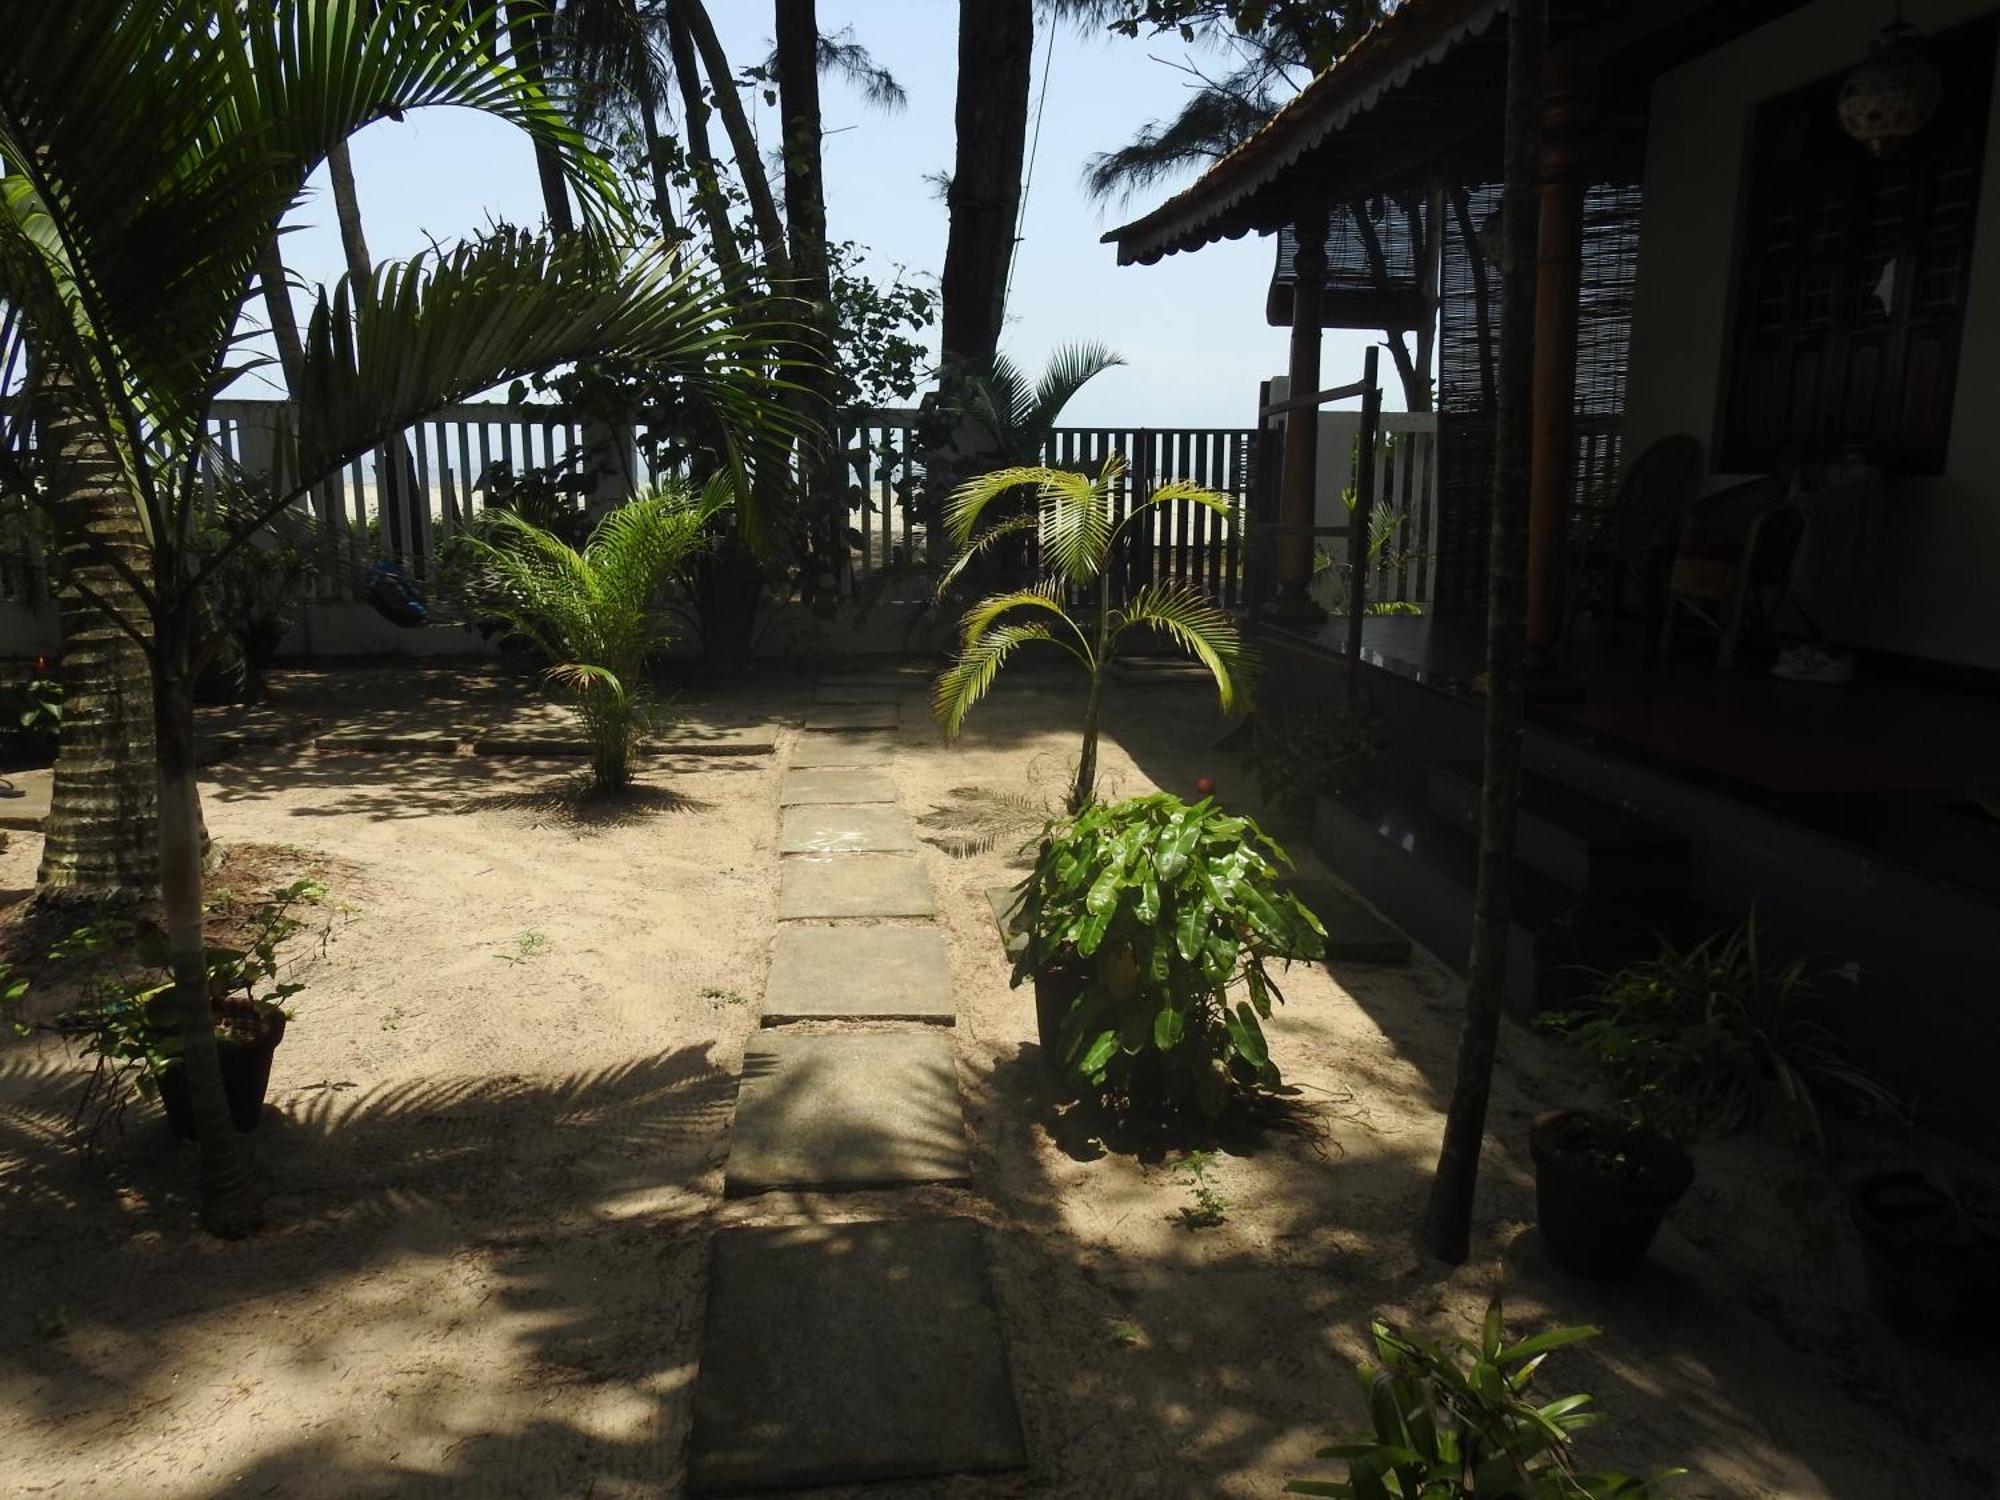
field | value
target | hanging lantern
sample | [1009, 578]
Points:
[1892, 95]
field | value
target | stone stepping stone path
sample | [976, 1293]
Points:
[824, 829]
[859, 974]
[845, 716]
[851, 785]
[853, 1110]
[822, 750]
[843, 1353]
[824, 887]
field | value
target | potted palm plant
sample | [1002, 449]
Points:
[1077, 539]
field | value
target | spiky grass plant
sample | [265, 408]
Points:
[1077, 541]
[599, 614]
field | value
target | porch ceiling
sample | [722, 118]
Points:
[1424, 87]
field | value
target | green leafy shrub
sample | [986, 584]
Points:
[1169, 908]
[1699, 1041]
[1458, 1423]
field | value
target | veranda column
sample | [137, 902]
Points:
[1566, 114]
[1296, 497]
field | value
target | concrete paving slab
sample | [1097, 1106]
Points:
[814, 750]
[831, 886]
[813, 786]
[859, 974]
[850, 1110]
[842, 1353]
[845, 716]
[872, 829]
[864, 692]
[26, 811]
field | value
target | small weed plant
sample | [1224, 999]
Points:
[1458, 1422]
[1208, 1207]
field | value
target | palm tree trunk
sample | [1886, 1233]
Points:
[708, 198]
[347, 212]
[524, 39]
[996, 45]
[805, 218]
[742, 140]
[278, 309]
[1084, 791]
[395, 464]
[1447, 1230]
[229, 1207]
[99, 836]
[656, 161]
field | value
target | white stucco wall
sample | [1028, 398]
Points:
[1939, 583]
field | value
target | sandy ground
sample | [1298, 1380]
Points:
[495, 1160]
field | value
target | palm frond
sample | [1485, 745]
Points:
[971, 673]
[1197, 626]
[967, 502]
[998, 532]
[1076, 531]
[1068, 371]
[981, 617]
[440, 328]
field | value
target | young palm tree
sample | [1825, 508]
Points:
[1077, 540]
[147, 155]
[599, 614]
[1015, 417]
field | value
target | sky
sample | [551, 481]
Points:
[1191, 327]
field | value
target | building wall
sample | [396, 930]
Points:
[1939, 574]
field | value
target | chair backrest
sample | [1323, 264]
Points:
[1724, 522]
[1656, 486]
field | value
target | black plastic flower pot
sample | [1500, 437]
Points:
[1058, 983]
[1602, 1188]
[1932, 1261]
[246, 1077]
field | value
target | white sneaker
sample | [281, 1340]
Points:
[1810, 663]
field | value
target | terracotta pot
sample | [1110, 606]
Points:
[1932, 1264]
[246, 1076]
[1602, 1188]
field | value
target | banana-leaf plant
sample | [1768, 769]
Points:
[1077, 539]
[1457, 1422]
[148, 154]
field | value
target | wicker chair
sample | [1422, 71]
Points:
[1735, 558]
[1628, 536]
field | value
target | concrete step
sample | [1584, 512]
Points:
[1577, 841]
[1422, 873]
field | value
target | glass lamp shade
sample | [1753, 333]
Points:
[1891, 96]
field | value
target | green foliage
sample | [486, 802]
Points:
[1698, 1041]
[1175, 911]
[1300, 748]
[598, 615]
[1077, 539]
[1208, 1208]
[126, 1019]
[1312, 35]
[1457, 1422]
